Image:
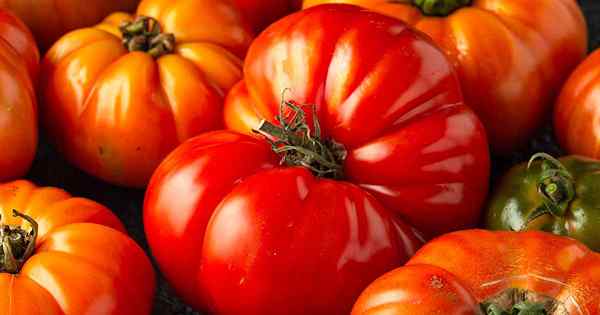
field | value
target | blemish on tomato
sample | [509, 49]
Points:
[436, 282]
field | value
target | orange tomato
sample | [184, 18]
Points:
[19, 62]
[117, 111]
[511, 55]
[50, 19]
[577, 112]
[77, 260]
[462, 272]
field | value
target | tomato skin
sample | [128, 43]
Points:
[576, 109]
[412, 143]
[311, 239]
[486, 263]
[50, 19]
[511, 57]
[116, 114]
[84, 263]
[19, 62]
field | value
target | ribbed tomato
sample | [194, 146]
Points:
[512, 56]
[64, 255]
[299, 219]
[493, 273]
[117, 110]
[19, 63]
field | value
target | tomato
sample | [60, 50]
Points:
[117, 111]
[494, 273]
[261, 13]
[262, 231]
[576, 110]
[558, 196]
[65, 255]
[50, 19]
[511, 55]
[19, 62]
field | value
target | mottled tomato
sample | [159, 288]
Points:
[117, 110]
[576, 115]
[494, 273]
[19, 62]
[511, 55]
[50, 19]
[299, 219]
[64, 255]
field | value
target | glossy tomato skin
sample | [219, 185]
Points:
[574, 115]
[116, 114]
[478, 265]
[252, 237]
[388, 95]
[84, 263]
[50, 19]
[511, 57]
[19, 62]
[517, 197]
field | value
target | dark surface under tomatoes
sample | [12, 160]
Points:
[50, 169]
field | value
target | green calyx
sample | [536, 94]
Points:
[16, 244]
[440, 7]
[298, 145]
[556, 187]
[145, 34]
[515, 301]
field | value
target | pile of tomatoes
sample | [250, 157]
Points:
[328, 157]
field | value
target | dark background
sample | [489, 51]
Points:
[51, 170]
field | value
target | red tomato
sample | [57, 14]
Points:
[576, 115]
[237, 232]
[467, 272]
[19, 62]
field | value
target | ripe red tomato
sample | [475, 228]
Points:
[50, 19]
[19, 63]
[578, 109]
[237, 232]
[512, 56]
[496, 273]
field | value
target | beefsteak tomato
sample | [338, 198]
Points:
[19, 62]
[558, 196]
[578, 108]
[299, 219]
[493, 273]
[117, 110]
[50, 19]
[511, 55]
[65, 255]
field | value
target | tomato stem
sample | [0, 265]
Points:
[298, 145]
[440, 7]
[521, 302]
[556, 186]
[17, 245]
[145, 34]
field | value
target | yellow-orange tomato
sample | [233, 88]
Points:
[50, 19]
[511, 55]
[117, 110]
[464, 272]
[66, 255]
[19, 62]
[577, 112]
